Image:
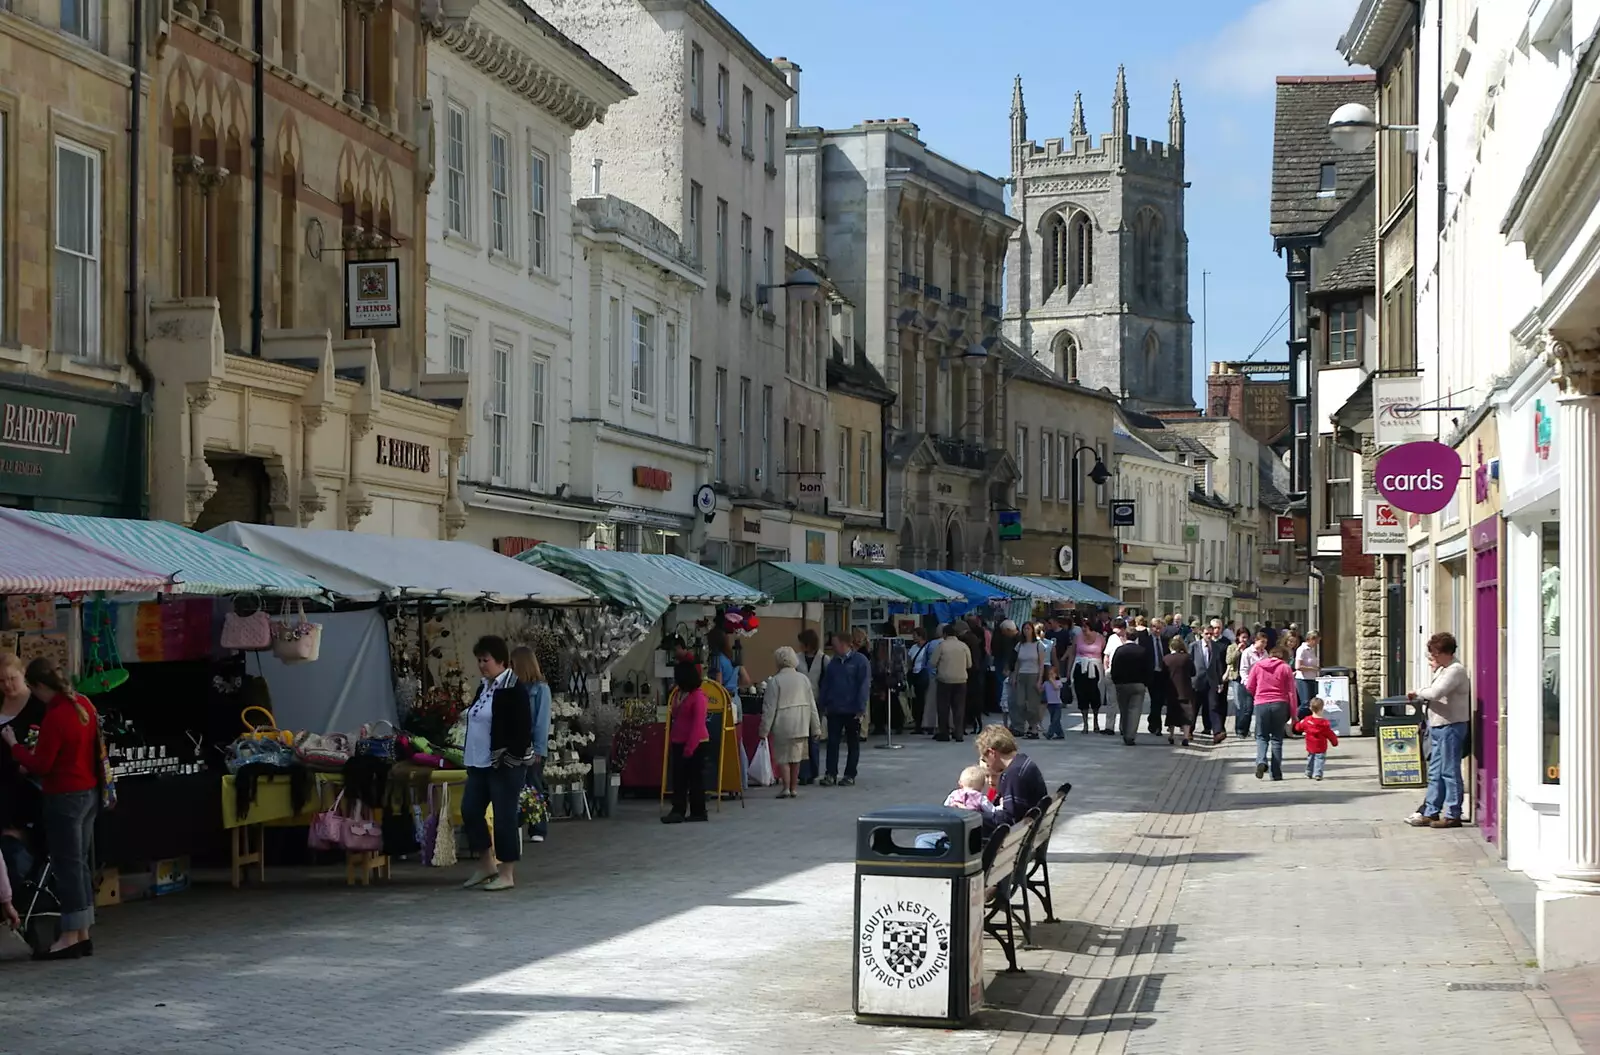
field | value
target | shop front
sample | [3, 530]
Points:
[1136, 586]
[303, 436]
[1172, 587]
[1531, 501]
[64, 450]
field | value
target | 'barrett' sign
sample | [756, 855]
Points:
[29, 428]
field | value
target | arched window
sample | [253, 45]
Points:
[1067, 356]
[1055, 254]
[1080, 270]
[1152, 357]
[1149, 254]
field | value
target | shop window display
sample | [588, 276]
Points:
[1550, 650]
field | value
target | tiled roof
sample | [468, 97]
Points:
[1301, 146]
[1358, 271]
[1200, 497]
[1175, 443]
[860, 376]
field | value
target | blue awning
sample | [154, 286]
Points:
[977, 592]
[1076, 591]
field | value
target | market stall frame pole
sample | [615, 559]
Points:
[1099, 474]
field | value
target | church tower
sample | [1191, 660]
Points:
[1097, 274]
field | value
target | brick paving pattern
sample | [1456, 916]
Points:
[1202, 911]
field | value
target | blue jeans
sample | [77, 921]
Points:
[848, 728]
[1444, 770]
[1305, 690]
[1270, 719]
[69, 835]
[1055, 721]
[502, 786]
[1244, 709]
[1314, 764]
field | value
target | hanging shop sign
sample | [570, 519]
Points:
[1124, 513]
[1383, 531]
[1353, 563]
[705, 501]
[1067, 561]
[652, 479]
[869, 552]
[1010, 523]
[1419, 477]
[372, 294]
[1397, 414]
[1286, 529]
[1191, 532]
[405, 454]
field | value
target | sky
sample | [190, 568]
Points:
[933, 62]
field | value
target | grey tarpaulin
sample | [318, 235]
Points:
[349, 685]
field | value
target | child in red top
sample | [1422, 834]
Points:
[1319, 734]
[690, 742]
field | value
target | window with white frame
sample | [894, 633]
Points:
[694, 400]
[722, 244]
[644, 355]
[747, 123]
[500, 411]
[744, 431]
[614, 351]
[767, 247]
[1338, 495]
[538, 415]
[669, 380]
[81, 18]
[745, 248]
[696, 205]
[76, 278]
[841, 485]
[765, 467]
[769, 130]
[1063, 466]
[458, 346]
[722, 101]
[1046, 448]
[538, 211]
[1020, 453]
[697, 79]
[864, 472]
[1343, 326]
[499, 192]
[457, 196]
[719, 402]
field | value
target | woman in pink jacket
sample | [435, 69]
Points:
[1271, 683]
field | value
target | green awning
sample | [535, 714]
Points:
[788, 581]
[199, 564]
[649, 582]
[918, 590]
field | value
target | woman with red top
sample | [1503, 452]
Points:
[689, 744]
[66, 761]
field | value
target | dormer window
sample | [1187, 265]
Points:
[1328, 180]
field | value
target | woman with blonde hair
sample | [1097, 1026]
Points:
[525, 665]
[789, 716]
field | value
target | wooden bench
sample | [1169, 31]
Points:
[1005, 859]
[1036, 876]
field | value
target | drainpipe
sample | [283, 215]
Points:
[258, 151]
[135, 163]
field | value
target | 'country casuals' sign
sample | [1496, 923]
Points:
[1419, 477]
[1397, 416]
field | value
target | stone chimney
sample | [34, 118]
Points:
[791, 74]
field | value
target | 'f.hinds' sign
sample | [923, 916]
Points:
[1418, 477]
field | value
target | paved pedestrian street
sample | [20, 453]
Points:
[1202, 911]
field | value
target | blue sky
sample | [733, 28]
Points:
[934, 62]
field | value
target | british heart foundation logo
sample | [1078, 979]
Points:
[1385, 516]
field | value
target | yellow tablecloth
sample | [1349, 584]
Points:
[272, 805]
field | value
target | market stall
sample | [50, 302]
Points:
[990, 600]
[1074, 592]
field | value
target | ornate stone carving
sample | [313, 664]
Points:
[357, 506]
[1576, 363]
[278, 493]
[499, 58]
[312, 500]
[1079, 185]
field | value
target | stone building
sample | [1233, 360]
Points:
[1097, 272]
[917, 241]
[1153, 572]
[286, 320]
[70, 260]
[509, 292]
[698, 147]
[820, 474]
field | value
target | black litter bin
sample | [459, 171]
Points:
[919, 916]
[1399, 735]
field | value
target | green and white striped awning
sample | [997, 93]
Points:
[788, 581]
[922, 591]
[200, 565]
[649, 582]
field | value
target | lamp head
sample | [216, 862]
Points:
[1099, 474]
[1353, 128]
[803, 284]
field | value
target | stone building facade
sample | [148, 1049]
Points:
[1097, 269]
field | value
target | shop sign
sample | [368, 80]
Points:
[1067, 561]
[1286, 531]
[870, 552]
[1400, 755]
[1544, 431]
[903, 946]
[1137, 578]
[1010, 521]
[1124, 513]
[1382, 530]
[62, 448]
[1419, 477]
[1191, 532]
[372, 294]
[1353, 561]
[1397, 415]
[405, 454]
[652, 479]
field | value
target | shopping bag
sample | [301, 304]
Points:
[444, 842]
[761, 774]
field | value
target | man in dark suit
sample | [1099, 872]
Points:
[1210, 663]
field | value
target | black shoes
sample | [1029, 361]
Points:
[847, 782]
[673, 818]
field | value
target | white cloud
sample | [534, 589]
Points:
[1275, 37]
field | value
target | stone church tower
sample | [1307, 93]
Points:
[1097, 274]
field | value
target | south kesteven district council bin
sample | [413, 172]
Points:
[1399, 735]
[919, 916]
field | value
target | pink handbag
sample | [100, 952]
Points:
[296, 639]
[247, 631]
[363, 834]
[328, 827]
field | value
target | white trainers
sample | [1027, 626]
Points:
[536, 838]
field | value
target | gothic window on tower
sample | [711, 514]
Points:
[1152, 357]
[1149, 256]
[1080, 270]
[1067, 356]
[1055, 256]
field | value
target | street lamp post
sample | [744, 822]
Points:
[1099, 474]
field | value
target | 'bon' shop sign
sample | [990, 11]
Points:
[1418, 477]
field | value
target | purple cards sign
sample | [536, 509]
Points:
[1419, 477]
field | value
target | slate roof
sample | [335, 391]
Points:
[1358, 271]
[1175, 443]
[1301, 145]
[857, 378]
[1200, 497]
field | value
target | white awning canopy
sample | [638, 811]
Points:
[361, 567]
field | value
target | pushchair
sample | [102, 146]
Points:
[33, 894]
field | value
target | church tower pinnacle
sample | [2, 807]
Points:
[1019, 125]
[1119, 105]
[1080, 127]
[1175, 119]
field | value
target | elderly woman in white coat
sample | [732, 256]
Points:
[789, 716]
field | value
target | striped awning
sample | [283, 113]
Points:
[198, 564]
[1020, 586]
[787, 581]
[38, 559]
[649, 582]
[921, 591]
[1074, 591]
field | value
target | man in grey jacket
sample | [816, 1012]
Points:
[1448, 698]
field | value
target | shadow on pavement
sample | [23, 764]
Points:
[1148, 860]
[1119, 1005]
